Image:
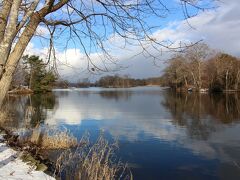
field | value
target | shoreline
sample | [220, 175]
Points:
[18, 162]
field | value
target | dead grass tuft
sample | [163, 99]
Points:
[53, 138]
[92, 162]
[5, 116]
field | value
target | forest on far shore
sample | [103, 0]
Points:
[111, 81]
[201, 68]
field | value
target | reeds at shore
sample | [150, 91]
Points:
[92, 161]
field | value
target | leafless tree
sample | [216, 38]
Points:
[81, 20]
[196, 56]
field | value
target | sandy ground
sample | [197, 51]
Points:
[12, 167]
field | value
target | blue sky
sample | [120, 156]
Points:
[175, 13]
[218, 27]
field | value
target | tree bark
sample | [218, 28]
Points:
[237, 81]
[5, 11]
[194, 79]
[226, 79]
[9, 34]
[199, 75]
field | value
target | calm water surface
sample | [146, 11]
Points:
[162, 135]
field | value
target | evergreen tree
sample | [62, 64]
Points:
[39, 79]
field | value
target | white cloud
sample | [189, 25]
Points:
[219, 28]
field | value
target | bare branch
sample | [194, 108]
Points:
[28, 14]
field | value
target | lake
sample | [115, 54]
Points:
[161, 134]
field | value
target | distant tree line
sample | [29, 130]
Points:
[85, 83]
[115, 81]
[199, 68]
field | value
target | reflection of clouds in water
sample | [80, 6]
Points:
[77, 106]
[140, 117]
[158, 128]
[164, 130]
[216, 147]
[64, 117]
[72, 110]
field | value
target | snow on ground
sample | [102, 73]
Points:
[12, 167]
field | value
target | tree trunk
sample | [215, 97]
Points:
[9, 34]
[16, 55]
[194, 79]
[226, 79]
[186, 82]
[199, 76]
[4, 17]
[237, 81]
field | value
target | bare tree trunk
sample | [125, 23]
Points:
[5, 11]
[186, 82]
[237, 81]
[194, 79]
[9, 34]
[199, 76]
[226, 79]
[15, 56]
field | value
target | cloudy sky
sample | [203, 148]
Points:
[218, 27]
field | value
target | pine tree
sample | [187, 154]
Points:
[39, 79]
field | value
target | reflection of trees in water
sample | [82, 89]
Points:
[226, 107]
[200, 113]
[41, 103]
[16, 106]
[30, 110]
[116, 95]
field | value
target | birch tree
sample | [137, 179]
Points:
[19, 20]
[196, 57]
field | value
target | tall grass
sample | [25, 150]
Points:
[92, 162]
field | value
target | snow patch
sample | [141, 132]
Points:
[12, 167]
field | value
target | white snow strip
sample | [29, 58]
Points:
[12, 167]
[2, 144]
[17, 169]
[7, 154]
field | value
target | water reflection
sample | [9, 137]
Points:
[222, 107]
[30, 110]
[197, 132]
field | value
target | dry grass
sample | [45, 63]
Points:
[53, 138]
[5, 116]
[92, 162]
